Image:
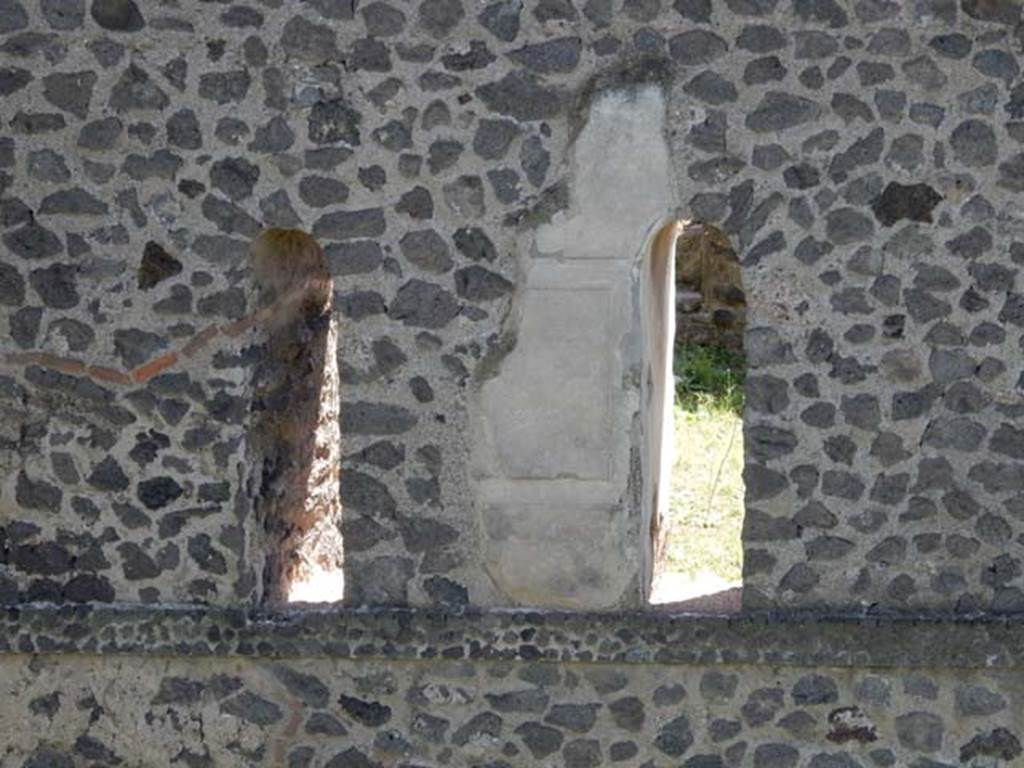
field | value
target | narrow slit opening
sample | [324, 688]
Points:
[296, 426]
[697, 514]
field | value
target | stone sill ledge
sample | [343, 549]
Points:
[795, 639]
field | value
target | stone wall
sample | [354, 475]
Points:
[862, 157]
[317, 712]
[456, 161]
[710, 302]
[520, 690]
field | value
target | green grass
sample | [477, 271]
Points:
[709, 378]
[706, 505]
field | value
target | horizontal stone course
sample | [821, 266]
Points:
[794, 639]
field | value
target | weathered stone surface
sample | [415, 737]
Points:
[417, 203]
[158, 492]
[382, 20]
[501, 19]
[225, 87]
[974, 143]
[920, 731]
[905, 201]
[13, 79]
[999, 11]
[712, 88]
[100, 134]
[47, 165]
[780, 111]
[523, 96]
[108, 476]
[696, 47]
[847, 225]
[117, 15]
[424, 305]
[440, 17]
[56, 285]
[13, 16]
[924, 72]
[541, 740]
[135, 346]
[136, 91]
[427, 250]
[252, 708]
[157, 265]
[276, 135]
[476, 283]
[558, 55]
[346, 225]
[12, 286]
[71, 91]
[376, 419]
[493, 137]
[998, 743]
[234, 176]
[309, 42]
[73, 202]
[675, 737]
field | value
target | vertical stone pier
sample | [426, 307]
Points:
[560, 458]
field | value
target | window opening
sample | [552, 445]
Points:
[696, 530]
[296, 427]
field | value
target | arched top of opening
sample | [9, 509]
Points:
[291, 273]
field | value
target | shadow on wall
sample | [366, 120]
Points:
[296, 432]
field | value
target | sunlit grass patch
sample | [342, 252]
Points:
[709, 378]
[706, 505]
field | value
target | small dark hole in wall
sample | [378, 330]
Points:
[296, 434]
